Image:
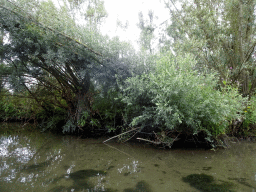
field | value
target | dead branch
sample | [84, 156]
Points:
[121, 134]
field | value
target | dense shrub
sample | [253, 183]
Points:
[109, 110]
[20, 107]
[176, 97]
[246, 127]
[13, 108]
[103, 116]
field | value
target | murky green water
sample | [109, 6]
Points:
[33, 161]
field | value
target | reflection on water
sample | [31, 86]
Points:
[141, 186]
[207, 183]
[33, 161]
[80, 180]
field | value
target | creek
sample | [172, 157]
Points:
[34, 161]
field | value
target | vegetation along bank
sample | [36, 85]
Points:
[65, 76]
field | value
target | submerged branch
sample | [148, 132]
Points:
[118, 150]
[121, 134]
[154, 142]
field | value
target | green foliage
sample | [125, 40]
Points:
[45, 57]
[84, 116]
[86, 120]
[9, 110]
[69, 127]
[14, 107]
[51, 120]
[215, 32]
[249, 119]
[147, 32]
[109, 109]
[21, 107]
[138, 96]
[177, 97]
[94, 122]
[49, 56]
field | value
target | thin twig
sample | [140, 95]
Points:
[176, 138]
[157, 143]
[118, 150]
[130, 137]
[120, 134]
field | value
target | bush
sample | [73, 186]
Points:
[108, 110]
[14, 107]
[52, 120]
[176, 97]
[248, 123]
[20, 107]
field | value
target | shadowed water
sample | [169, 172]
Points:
[34, 161]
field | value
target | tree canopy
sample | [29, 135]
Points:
[48, 54]
[221, 34]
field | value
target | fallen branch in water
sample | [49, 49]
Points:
[130, 137]
[169, 144]
[157, 143]
[120, 134]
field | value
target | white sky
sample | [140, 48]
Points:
[127, 10]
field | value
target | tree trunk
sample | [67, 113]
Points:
[1, 44]
[245, 83]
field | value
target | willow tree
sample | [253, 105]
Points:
[58, 61]
[42, 55]
[221, 34]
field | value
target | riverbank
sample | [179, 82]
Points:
[182, 141]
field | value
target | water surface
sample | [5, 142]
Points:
[34, 161]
